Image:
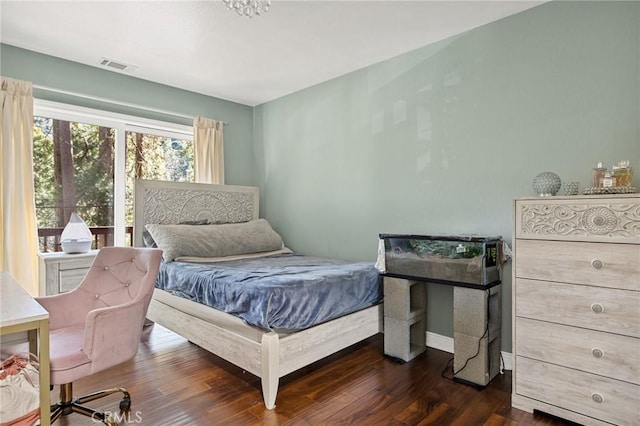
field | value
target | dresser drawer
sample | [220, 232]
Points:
[596, 308]
[611, 219]
[595, 396]
[604, 265]
[606, 354]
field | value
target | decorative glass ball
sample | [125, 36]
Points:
[547, 184]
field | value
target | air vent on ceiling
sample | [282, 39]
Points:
[118, 66]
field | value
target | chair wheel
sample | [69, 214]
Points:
[125, 404]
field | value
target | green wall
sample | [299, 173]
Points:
[442, 139]
[52, 72]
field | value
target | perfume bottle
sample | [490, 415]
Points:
[617, 174]
[623, 173]
[607, 181]
[598, 175]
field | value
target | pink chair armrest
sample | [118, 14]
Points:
[112, 334]
[65, 309]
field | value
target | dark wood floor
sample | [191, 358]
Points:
[174, 382]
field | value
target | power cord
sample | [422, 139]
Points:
[485, 334]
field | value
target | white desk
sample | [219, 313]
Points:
[20, 312]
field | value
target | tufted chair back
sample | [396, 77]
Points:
[99, 324]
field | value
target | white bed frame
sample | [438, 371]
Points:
[268, 355]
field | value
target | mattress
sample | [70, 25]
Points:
[282, 293]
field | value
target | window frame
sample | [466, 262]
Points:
[121, 123]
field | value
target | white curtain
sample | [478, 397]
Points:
[209, 150]
[18, 226]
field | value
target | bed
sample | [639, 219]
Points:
[265, 350]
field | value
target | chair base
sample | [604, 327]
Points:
[68, 404]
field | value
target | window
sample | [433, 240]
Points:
[154, 157]
[73, 172]
[86, 161]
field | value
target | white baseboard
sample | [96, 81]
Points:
[440, 342]
[444, 343]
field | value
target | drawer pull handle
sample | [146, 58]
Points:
[597, 308]
[596, 397]
[597, 353]
[597, 263]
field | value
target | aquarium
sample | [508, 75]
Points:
[469, 260]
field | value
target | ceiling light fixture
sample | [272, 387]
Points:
[248, 7]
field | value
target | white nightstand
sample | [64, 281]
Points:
[60, 272]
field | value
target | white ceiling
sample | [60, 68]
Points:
[203, 47]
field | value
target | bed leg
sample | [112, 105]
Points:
[270, 364]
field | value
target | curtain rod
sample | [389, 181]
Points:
[114, 102]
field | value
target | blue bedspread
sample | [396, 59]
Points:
[286, 292]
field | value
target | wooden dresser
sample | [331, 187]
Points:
[576, 308]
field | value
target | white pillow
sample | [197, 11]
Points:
[215, 240]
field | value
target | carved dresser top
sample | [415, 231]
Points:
[613, 218]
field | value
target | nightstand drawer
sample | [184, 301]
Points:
[603, 265]
[62, 272]
[71, 278]
[595, 308]
[600, 353]
[595, 396]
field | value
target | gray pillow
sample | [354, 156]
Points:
[215, 240]
[147, 239]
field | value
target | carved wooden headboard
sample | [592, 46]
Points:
[177, 202]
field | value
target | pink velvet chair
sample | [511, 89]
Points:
[99, 324]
